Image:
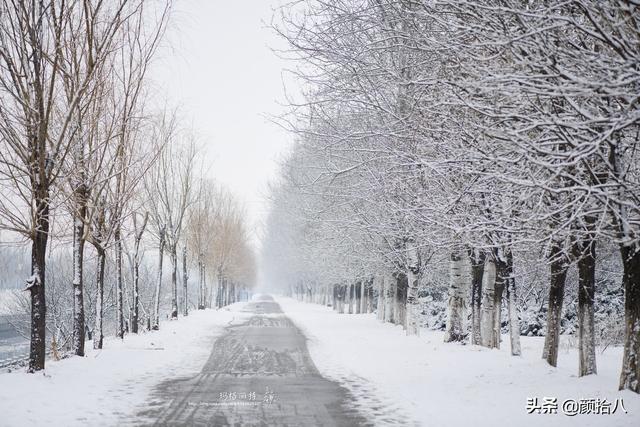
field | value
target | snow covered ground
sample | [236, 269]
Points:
[107, 387]
[440, 384]
[419, 380]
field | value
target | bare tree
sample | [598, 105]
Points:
[36, 118]
[138, 229]
[170, 192]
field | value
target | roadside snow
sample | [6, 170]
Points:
[107, 387]
[439, 384]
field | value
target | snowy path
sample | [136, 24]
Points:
[259, 373]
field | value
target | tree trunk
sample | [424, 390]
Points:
[514, 322]
[358, 296]
[344, 295]
[400, 310]
[559, 269]
[232, 292]
[342, 290]
[456, 328]
[630, 375]
[156, 315]
[219, 290]
[135, 315]
[352, 298]
[382, 303]
[222, 284]
[185, 278]
[413, 284]
[36, 285]
[368, 292]
[135, 312]
[98, 335]
[225, 285]
[390, 295]
[201, 290]
[78, 281]
[490, 336]
[80, 193]
[334, 297]
[586, 299]
[502, 276]
[477, 259]
[204, 287]
[174, 281]
[119, 294]
[364, 296]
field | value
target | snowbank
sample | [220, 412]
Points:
[440, 384]
[107, 387]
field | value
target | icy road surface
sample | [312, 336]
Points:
[259, 373]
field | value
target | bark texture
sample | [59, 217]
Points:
[477, 259]
[135, 318]
[36, 285]
[413, 283]
[379, 282]
[185, 279]
[630, 375]
[78, 282]
[490, 336]
[174, 281]
[514, 322]
[98, 333]
[119, 286]
[559, 267]
[156, 313]
[390, 292]
[586, 299]
[456, 320]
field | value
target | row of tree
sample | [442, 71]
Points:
[83, 159]
[486, 133]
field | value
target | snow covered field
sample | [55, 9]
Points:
[440, 384]
[108, 386]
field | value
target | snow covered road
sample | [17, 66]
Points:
[259, 373]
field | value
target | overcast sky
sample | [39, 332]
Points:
[218, 68]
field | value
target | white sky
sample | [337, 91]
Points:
[218, 68]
